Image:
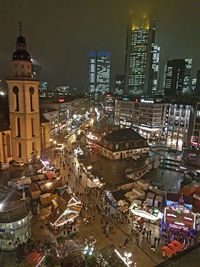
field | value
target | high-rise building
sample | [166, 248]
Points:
[42, 89]
[153, 83]
[24, 106]
[142, 58]
[197, 87]
[177, 77]
[119, 84]
[193, 85]
[99, 74]
[145, 115]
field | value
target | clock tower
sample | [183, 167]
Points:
[23, 105]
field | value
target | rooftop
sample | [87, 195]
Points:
[123, 135]
[13, 207]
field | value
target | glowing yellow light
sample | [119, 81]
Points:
[134, 27]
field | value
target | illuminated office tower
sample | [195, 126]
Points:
[142, 58]
[119, 84]
[153, 83]
[177, 77]
[99, 74]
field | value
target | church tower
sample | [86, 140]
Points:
[23, 105]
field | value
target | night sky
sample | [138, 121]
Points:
[60, 33]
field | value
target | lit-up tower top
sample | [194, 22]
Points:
[139, 58]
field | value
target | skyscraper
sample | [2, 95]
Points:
[99, 74]
[119, 84]
[197, 86]
[177, 77]
[142, 58]
[153, 81]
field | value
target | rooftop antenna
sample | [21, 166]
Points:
[20, 27]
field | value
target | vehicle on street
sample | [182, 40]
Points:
[18, 163]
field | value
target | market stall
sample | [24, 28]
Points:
[66, 211]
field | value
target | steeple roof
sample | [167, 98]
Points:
[21, 52]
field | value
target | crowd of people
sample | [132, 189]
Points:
[184, 237]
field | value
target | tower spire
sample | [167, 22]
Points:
[20, 28]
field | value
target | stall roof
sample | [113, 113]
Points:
[176, 197]
[50, 175]
[38, 177]
[150, 195]
[187, 257]
[119, 195]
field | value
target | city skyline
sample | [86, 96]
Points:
[77, 35]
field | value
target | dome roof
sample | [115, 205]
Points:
[21, 55]
[21, 52]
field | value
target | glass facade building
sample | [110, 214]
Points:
[142, 57]
[177, 77]
[99, 74]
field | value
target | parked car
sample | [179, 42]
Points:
[18, 163]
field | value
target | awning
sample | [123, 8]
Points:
[167, 251]
[94, 183]
[33, 258]
[50, 175]
[144, 214]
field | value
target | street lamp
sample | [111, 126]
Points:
[23, 192]
[125, 258]
[128, 255]
[88, 250]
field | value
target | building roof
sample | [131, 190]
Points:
[176, 198]
[13, 208]
[21, 52]
[123, 135]
[43, 119]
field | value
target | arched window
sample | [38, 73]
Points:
[18, 129]
[31, 92]
[8, 145]
[19, 150]
[16, 92]
[32, 127]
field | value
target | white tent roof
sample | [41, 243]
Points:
[144, 214]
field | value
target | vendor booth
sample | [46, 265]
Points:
[145, 213]
[66, 211]
[179, 216]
